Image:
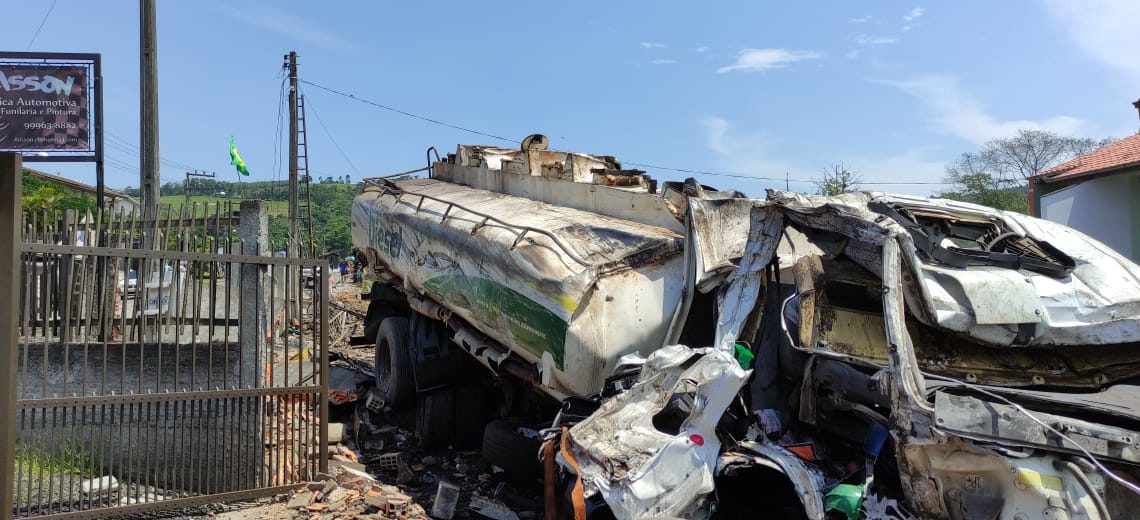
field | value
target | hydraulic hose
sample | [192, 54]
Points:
[1085, 483]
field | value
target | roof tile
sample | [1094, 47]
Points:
[1119, 155]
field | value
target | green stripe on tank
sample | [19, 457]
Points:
[533, 326]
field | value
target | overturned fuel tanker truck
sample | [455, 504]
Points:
[705, 354]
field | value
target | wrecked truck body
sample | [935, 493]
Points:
[866, 355]
[879, 356]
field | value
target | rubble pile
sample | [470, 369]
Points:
[351, 493]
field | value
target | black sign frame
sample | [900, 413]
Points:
[94, 65]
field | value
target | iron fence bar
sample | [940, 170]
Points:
[168, 255]
[11, 221]
[158, 397]
[323, 380]
[143, 436]
[171, 504]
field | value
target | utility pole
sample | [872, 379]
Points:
[148, 112]
[186, 183]
[294, 190]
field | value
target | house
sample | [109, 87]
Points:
[1097, 193]
[114, 200]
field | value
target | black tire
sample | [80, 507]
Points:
[394, 376]
[506, 448]
[383, 302]
[471, 415]
[435, 418]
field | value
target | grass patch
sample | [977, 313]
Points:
[276, 207]
[69, 459]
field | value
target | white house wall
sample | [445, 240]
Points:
[1101, 208]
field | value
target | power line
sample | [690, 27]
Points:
[333, 139]
[716, 174]
[277, 142]
[667, 168]
[409, 114]
[42, 22]
[760, 178]
[127, 147]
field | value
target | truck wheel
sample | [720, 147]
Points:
[516, 453]
[435, 418]
[394, 376]
[471, 415]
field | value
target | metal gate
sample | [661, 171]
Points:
[164, 364]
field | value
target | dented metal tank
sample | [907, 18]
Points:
[564, 259]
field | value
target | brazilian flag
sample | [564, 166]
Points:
[236, 160]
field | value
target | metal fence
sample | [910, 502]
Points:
[164, 364]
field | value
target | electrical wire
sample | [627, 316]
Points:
[774, 179]
[643, 165]
[1119, 480]
[42, 22]
[277, 145]
[333, 139]
[127, 147]
[409, 114]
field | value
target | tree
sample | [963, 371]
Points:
[1027, 153]
[983, 188]
[837, 179]
[995, 175]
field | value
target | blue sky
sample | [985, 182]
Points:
[893, 89]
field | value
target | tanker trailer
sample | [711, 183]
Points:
[545, 267]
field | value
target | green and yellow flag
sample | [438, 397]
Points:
[236, 160]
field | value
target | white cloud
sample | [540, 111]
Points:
[1103, 29]
[764, 59]
[904, 168]
[956, 112]
[661, 61]
[652, 45]
[854, 53]
[864, 39]
[906, 28]
[861, 19]
[748, 154]
[914, 14]
[290, 26]
[703, 48]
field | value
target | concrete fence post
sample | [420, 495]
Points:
[253, 317]
[11, 177]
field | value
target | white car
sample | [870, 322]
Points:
[129, 283]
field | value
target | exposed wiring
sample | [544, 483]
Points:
[1119, 480]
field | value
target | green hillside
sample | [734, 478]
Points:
[276, 207]
[332, 206]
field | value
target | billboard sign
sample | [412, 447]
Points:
[44, 108]
[47, 106]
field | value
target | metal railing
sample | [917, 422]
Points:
[519, 230]
[153, 379]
